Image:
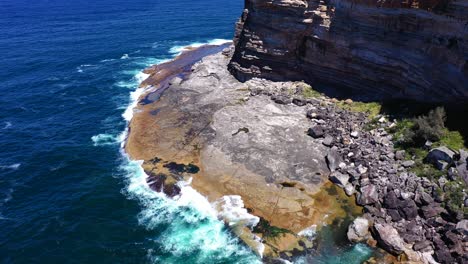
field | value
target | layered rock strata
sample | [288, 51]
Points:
[376, 49]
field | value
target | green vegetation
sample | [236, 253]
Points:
[268, 231]
[452, 139]
[453, 197]
[307, 91]
[413, 133]
[372, 109]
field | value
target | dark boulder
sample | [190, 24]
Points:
[440, 157]
[391, 200]
[316, 131]
[299, 101]
[281, 99]
[394, 214]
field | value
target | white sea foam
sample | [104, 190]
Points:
[309, 232]
[231, 209]
[104, 139]
[124, 57]
[80, 68]
[107, 60]
[179, 49]
[7, 125]
[10, 167]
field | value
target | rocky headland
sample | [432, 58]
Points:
[271, 150]
[279, 161]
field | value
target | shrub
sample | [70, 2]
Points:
[428, 127]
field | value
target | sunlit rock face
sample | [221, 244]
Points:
[377, 49]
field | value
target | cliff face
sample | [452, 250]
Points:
[379, 49]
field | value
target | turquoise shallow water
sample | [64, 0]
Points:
[67, 193]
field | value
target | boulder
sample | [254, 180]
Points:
[349, 189]
[339, 178]
[423, 246]
[409, 210]
[355, 134]
[391, 200]
[462, 226]
[462, 166]
[424, 198]
[430, 211]
[440, 157]
[299, 101]
[328, 141]
[408, 163]
[400, 155]
[281, 99]
[333, 159]
[358, 231]
[394, 214]
[388, 238]
[368, 195]
[316, 131]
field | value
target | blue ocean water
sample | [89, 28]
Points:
[67, 194]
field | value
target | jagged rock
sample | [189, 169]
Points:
[423, 246]
[328, 141]
[349, 189]
[281, 99]
[400, 155]
[316, 131]
[410, 210]
[394, 214]
[427, 145]
[388, 238]
[440, 157]
[430, 211]
[391, 200]
[333, 159]
[299, 101]
[358, 231]
[408, 163]
[339, 178]
[462, 226]
[355, 134]
[462, 166]
[424, 199]
[367, 195]
[361, 169]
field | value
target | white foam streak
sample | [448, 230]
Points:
[10, 167]
[104, 139]
[7, 125]
[179, 49]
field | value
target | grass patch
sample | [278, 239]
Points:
[452, 139]
[308, 91]
[372, 109]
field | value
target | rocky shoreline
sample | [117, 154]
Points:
[402, 211]
[276, 148]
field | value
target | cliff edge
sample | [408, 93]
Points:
[377, 49]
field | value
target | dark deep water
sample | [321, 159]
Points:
[67, 195]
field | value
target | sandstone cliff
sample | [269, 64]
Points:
[377, 49]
